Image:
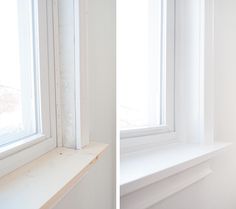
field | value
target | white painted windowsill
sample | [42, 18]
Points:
[44, 181]
[149, 176]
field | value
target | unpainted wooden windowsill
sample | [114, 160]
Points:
[44, 181]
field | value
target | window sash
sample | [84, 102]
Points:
[168, 80]
[45, 94]
[26, 75]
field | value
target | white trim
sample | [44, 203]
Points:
[194, 75]
[57, 72]
[156, 192]
[134, 144]
[77, 63]
[19, 145]
[162, 162]
[207, 74]
[187, 71]
[51, 69]
[27, 66]
[81, 73]
[43, 64]
[22, 157]
[170, 66]
[132, 133]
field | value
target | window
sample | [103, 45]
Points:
[145, 60]
[27, 81]
[18, 109]
[37, 83]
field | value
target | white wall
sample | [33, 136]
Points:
[97, 189]
[218, 191]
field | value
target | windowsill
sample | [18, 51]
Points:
[140, 169]
[44, 181]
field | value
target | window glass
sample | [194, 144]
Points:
[139, 61]
[17, 71]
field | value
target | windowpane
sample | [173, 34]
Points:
[139, 61]
[17, 88]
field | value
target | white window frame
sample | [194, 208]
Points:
[23, 151]
[81, 74]
[193, 82]
[27, 63]
[168, 94]
[20, 152]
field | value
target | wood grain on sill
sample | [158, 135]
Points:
[43, 182]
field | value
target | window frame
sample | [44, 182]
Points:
[26, 62]
[20, 152]
[193, 81]
[168, 93]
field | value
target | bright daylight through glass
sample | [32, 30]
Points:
[139, 35]
[17, 101]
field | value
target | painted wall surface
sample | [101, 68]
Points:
[97, 189]
[218, 191]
